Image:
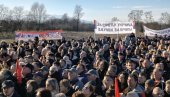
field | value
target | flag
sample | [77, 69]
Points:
[116, 88]
[94, 24]
[18, 72]
[143, 94]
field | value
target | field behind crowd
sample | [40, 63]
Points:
[79, 35]
[10, 37]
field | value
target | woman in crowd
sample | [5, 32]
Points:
[52, 85]
[31, 86]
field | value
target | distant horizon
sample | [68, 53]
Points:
[100, 10]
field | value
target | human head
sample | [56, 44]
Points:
[72, 74]
[80, 68]
[88, 89]
[92, 75]
[132, 81]
[38, 76]
[78, 94]
[157, 74]
[28, 68]
[157, 92]
[52, 84]
[122, 77]
[8, 87]
[167, 86]
[149, 85]
[31, 86]
[107, 81]
[131, 65]
[60, 95]
[64, 85]
[141, 78]
[43, 92]
[112, 70]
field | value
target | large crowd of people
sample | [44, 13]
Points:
[86, 67]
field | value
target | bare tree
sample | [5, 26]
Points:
[115, 19]
[78, 14]
[18, 15]
[65, 18]
[148, 17]
[3, 12]
[38, 13]
[135, 15]
[165, 18]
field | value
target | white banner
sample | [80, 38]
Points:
[150, 32]
[114, 27]
[48, 35]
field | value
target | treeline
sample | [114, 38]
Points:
[38, 19]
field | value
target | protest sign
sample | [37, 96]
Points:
[151, 32]
[114, 27]
[48, 35]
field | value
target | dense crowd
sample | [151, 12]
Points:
[86, 67]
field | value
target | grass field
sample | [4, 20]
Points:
[9, 37]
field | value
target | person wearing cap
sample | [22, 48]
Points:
[74, 81]
[92, 75]
[27, 70]
[8, 88]
[149, 86]
[44, 70]
[39, 78]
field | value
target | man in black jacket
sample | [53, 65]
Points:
[8, 89]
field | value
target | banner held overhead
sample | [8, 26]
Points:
[152, 33]
[114, 27]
